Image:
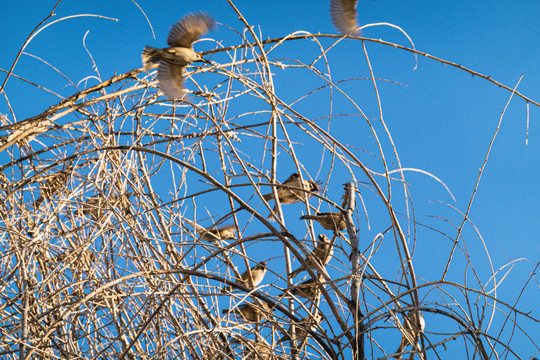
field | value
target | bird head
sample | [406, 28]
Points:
[323, 238]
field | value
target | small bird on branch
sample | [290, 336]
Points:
[53, 185]
[328, 220]
[301, 329]
[307, 289]
[250, 311]
[97, 205]
[322, 253]
[413, 325]
[292, 190]
[258, 349]
[257, 275]
[212, 233]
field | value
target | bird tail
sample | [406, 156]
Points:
[399, 350]
[149, 57]
[271, 215]
[268, 197]
[308, 217]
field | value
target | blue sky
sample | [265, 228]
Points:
[442, 119]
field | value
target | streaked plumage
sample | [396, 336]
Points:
[328, 220]
[307, 323]
[250, 311]
[258, 349]
[257, 275]
[212, 233]
[97, 206]
[344, 16]
[413, 324]
[53, 185]
[171, 61]
[322, 253]
[287, 195]
[307, 289]
[221, 233]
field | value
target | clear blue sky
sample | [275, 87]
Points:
[441, 121]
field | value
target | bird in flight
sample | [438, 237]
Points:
[172, 60]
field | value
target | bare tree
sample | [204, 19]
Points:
[111, 196]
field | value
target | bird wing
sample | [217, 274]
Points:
[171, 80]
[343, 14]
[189, 29]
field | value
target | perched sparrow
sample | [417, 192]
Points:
[258, 349]
[221, 233]
[308, 289]
[343, 14]
[287, 195]
[53, 185]
[328, 220]
[257, 275]
[413, 324]
[96, 206]
[322, 254]
[307, 323]
[251, 312]
[212, 233]
[180, 53]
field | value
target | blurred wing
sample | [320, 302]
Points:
[171, 80]
[190, 28]
[343, 14]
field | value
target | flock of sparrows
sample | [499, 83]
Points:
[170, 63]
[290, 191]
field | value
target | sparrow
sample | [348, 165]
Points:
[257, 275]
[97, 205]
[258, 349]
[322, 253]
[213, 233]
[171, 60]
[328, 220]
[250, 311]
[307, 323]
[413, 324]
[287, 195]
[308, 289]
[52, 186]
[220, 233]
[343, 14]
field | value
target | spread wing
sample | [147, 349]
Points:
[171, 80]
[343, 14]
[190, 28]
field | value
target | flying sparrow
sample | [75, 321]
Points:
[171, 61]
